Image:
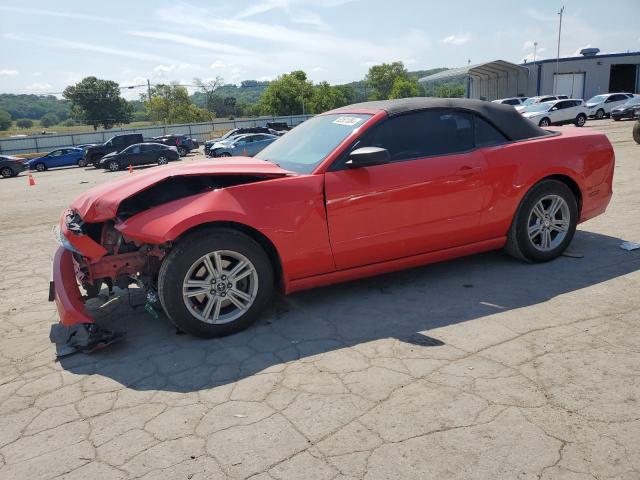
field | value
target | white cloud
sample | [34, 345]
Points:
[217, 64]
[457, 39]
[190, 41]
[71, 15]
[165, 68]
[38, 87]
[8, 73]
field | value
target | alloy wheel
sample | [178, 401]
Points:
[114, 166]
[549, 222]
[40, 167]
[6, 172]
[220, 287]
[162, 160]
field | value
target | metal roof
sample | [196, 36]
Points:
[495, 68]
[582, 57]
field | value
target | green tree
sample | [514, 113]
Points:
[289, 94]
[449, 91]
[98, 102]
[24, 123]
[5, 120]
[171, 104]
[326, 97]
[404, 88]
[382, 77]
[49, 120]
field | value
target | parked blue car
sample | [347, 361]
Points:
[63, 157]
[242, 145]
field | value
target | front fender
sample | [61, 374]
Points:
[288, 211]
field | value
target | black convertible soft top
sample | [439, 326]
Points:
[503, 117]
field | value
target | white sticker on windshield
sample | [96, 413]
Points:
[348, 121]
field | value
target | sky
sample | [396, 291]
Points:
[45, 45]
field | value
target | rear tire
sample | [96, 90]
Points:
[6, 172]
[182, 151]
[581, 119]
[186, 264]
[616, 119]
[162, 160]
[82, 163]
[600, 114]
[536, 221]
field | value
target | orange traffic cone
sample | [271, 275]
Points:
[32, 182]
[130, 168]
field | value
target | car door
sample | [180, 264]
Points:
[614, 100]
[429, 197]
[561, 111]
[130, 156]
[67, 158]
[55, 158]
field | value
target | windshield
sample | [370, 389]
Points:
[304, 147]
[632, 101]
[539, 107]
[530, 101]
[597, 99]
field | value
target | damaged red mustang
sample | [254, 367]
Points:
[358, 191]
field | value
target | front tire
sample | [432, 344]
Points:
[114, 166]
[215, 282]
[82, 163]
[182, 151]
[6, 172]
[41, 167]
[600, 114]
[225, 154]
[636, 132]
[162, 160]
[581, 119]
[544, 122]
[544, 224]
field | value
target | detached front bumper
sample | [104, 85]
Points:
[66, 291]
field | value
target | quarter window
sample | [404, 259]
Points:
[486, 134]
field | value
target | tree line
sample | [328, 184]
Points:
[99, 103]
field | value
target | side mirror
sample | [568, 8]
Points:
[553, 109]
[368, 157]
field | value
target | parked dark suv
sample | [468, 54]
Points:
[183, 143]
[93, 153]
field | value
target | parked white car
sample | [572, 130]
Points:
[557, 112]
[601, 105]
[542, 98]
[515, 101]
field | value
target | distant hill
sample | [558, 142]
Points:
[34, 106]
[248, 92]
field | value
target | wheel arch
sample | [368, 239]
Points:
[259, 237]
[569, 182]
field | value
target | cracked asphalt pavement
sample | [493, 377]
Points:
[479, 368]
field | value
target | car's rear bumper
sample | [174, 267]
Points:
[66, 292]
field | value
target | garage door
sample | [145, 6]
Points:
[571, 84]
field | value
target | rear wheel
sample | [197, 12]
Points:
[544, 122]
[41, 167]
[215, 282]
[616, 119]
[544, 224]
[581, 119]
[600, 114]
[82, 163]
[114, 165]
[182, 151]
[6, 172]
[162, 160]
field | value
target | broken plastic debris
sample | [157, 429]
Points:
[629, 246]
[239, 415]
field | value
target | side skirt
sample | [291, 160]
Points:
[393, 265]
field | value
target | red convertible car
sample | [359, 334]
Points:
[362, 190]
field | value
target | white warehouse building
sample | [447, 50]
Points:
[578, 77]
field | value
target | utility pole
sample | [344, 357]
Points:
[555, 87]
[149, 89]
[535, 51]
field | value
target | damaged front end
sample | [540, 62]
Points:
[92, 255]
[97, 251]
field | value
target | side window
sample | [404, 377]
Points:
[546, 99]
[486, 135]
[512, 101]
[422, 134]
[135, 149]
[117, 141]
[562, 105]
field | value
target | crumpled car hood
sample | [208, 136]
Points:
[101, 203]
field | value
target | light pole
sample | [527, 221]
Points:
[555, 87]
